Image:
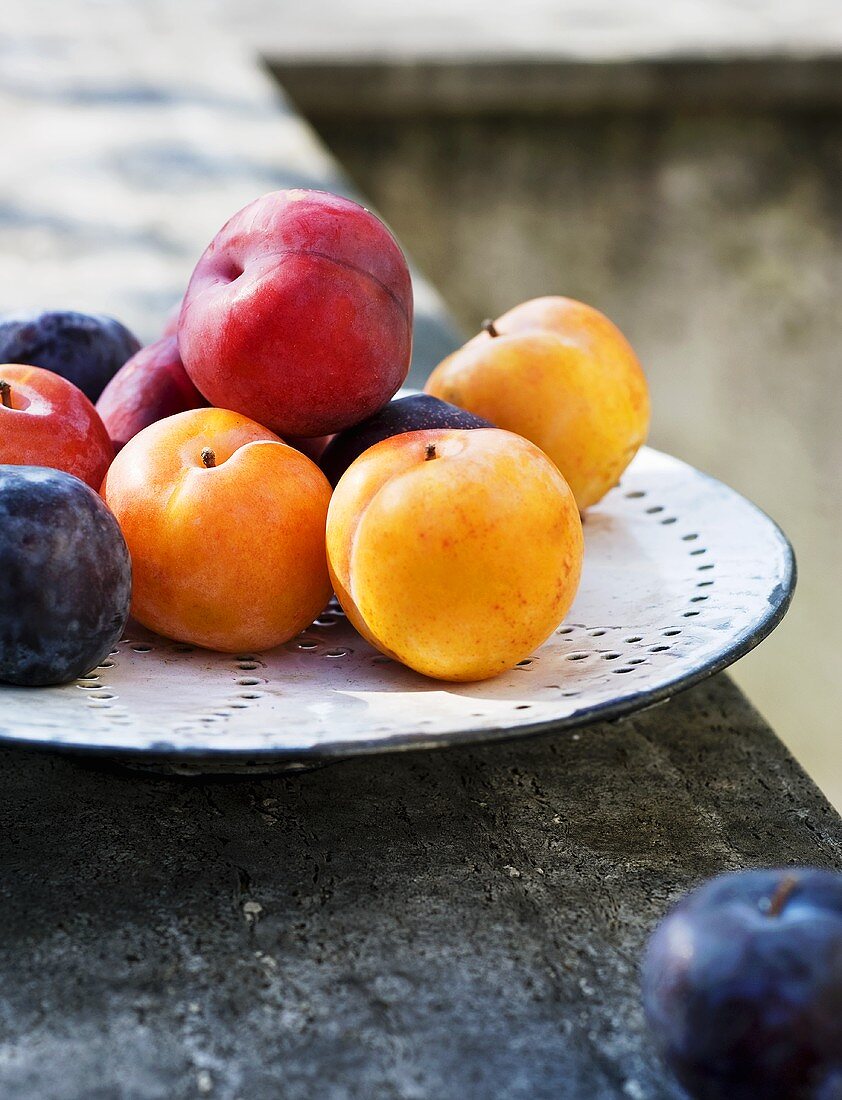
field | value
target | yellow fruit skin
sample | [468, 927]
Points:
[563, 376]
[459, 565]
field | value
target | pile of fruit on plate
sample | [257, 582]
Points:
[236, 472]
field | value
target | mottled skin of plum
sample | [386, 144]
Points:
[65, 577]
[742, 986]
[299, 314]
[86, 349]
[407, 414]
[152, 385]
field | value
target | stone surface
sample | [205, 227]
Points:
[465, 923]
[546, 85]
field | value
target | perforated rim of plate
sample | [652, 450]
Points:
[682, 576]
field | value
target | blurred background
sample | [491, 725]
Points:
[677, 165]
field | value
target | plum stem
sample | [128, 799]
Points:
[782, 894]
[5, 393]
[489, 327]
[208, 457]
[430, 452]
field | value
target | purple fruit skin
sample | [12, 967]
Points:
[86, 349]
[746, 1003]
[406, 414]
[65, 577]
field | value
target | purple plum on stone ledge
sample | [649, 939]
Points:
[742, 986]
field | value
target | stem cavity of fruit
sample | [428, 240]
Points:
[489, 327]
[430, 452]
[5, 393]
[208, 458]
[781, 896]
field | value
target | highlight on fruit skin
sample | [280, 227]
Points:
[45, 420]
[225, 524]
[456, 552]
[561, 374]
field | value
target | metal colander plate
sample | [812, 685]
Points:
[682, 576]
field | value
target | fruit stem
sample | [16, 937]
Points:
[489, 327]
[5, 393]
[208, 457]
[781, 896]
[430, 452]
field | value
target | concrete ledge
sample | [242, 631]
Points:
[326, 85]
[462, 923]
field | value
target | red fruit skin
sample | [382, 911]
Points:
[299, 314]
[151, 385]
[171, 324]
[52, 423]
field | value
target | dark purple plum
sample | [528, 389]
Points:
[742, 986]
[87, 349]
[406, 414]
[65, 577]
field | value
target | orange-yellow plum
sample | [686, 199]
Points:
[559, 373]
[456, 552]
[225, 525]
